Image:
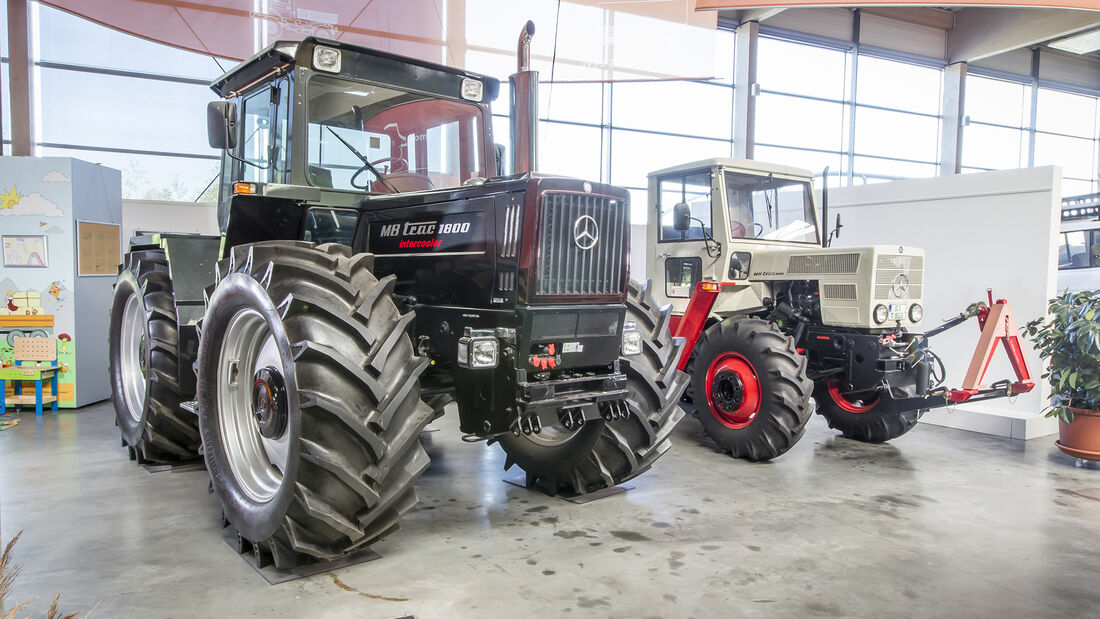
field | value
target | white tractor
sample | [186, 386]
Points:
[775, 320]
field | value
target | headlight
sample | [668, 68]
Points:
[472, 90]
[632, 340]
[478, 349]
[483, 353]
[881, 313]
[326, 59]
[916, 312]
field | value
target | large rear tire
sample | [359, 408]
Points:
[751, 391]
[309, 401]
[144, 361]
[601, 454]
[872, 418]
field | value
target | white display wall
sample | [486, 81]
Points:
[987, 230]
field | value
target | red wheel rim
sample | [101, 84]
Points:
[733, 390]
[846, 405]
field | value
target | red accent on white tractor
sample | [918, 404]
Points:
[694, 320]
[998, 324]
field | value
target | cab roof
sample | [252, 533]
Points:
[747, 165]
[282, 55]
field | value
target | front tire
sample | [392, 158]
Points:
[751, 391]
[309, 401]
[143, 358]
[601, 454]
[871, 418]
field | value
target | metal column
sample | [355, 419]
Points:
[954, 101]
[745, 90]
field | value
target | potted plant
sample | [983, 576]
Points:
[1068, 337]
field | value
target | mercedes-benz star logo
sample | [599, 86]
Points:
[586, 232]
[900, 285]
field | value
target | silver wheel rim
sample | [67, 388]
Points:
[257, 462]
[132, 356]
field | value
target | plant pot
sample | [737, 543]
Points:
[1080, 439]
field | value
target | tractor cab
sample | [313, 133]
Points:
[754, 227]
[714, 213]
[339, 120]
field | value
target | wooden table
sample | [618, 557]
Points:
[27, 373]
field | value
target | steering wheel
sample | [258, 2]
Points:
[396, 160]
[760, 229]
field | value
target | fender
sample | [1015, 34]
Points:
[694, 320]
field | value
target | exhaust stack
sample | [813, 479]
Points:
[525, 106]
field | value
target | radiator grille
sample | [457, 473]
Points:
[564, 267]
[828, 263]
[510, 245]
[887, 270]
[841, 292]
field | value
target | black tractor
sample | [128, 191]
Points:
[374, 264]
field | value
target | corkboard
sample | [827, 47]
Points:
[99, 248]
[35, 349]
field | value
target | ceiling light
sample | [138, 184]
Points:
[1084, 43]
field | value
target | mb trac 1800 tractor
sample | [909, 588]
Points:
[373, 265]
[772, 317]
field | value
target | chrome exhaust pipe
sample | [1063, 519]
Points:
[525, 106]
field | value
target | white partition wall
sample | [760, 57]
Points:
[989, 230]
[161, 216]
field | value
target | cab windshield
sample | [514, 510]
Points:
[413, 141]
[771, 208]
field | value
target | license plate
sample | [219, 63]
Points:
[896, 312]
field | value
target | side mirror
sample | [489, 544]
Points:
[836, 229]
[1096, 254]
[681, 217]
[221, 124]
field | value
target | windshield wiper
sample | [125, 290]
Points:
[366, 163]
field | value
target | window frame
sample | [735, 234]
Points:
[709, 173]
[485, 140]
[1092, 237]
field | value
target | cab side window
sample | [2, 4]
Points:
[256, 137]
[692, 189]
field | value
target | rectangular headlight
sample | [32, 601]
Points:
[326, 59]
[478, 349]
[472, 90]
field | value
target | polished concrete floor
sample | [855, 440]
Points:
[942, 523]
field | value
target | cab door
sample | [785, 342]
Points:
[680, 260]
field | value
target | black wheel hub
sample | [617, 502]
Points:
[727, 390]
[269, 402]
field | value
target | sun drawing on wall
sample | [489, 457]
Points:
[10, 198]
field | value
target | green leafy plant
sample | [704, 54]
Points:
[1069, 338]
